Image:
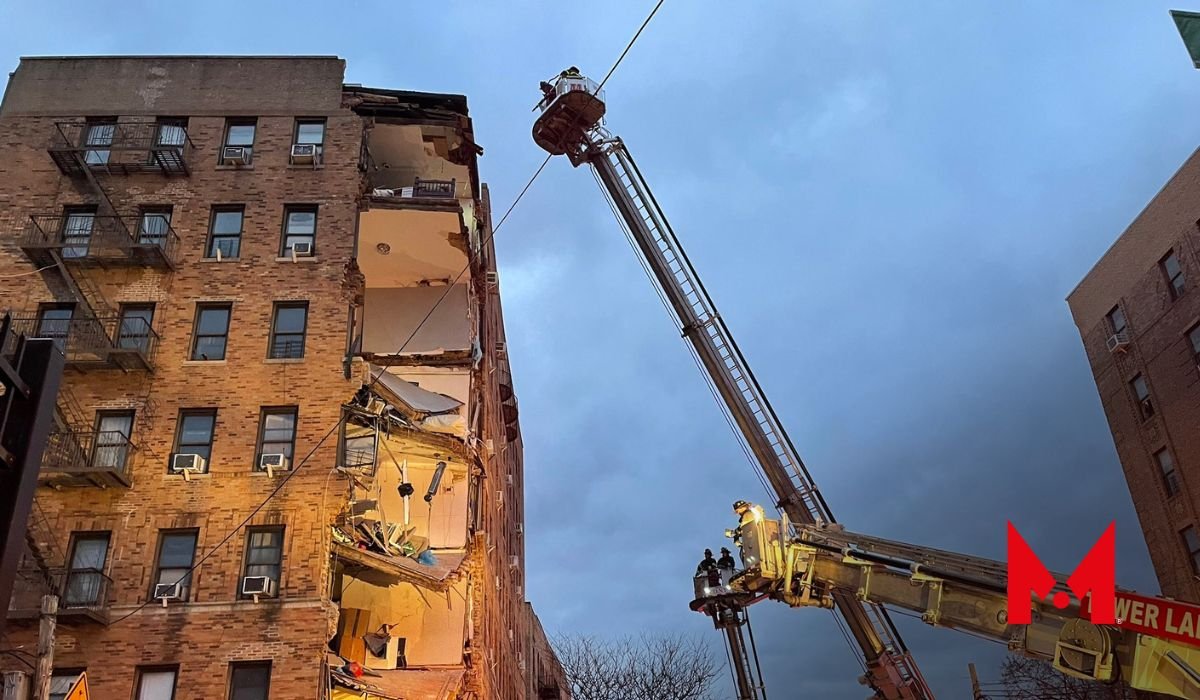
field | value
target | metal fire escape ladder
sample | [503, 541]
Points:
[891, 670]
[81, 285]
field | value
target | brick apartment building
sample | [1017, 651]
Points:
[287, 438]
[1138, 312]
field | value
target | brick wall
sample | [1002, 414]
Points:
[215, 628]
[1129, 276]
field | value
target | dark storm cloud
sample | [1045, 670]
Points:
[889, 206]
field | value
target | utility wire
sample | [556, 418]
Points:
[496, 229]
[630, 44]
[30, 272]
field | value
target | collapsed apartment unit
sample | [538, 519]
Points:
[287, 460]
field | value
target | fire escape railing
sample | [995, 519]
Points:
[98, 457]
[122, 147]
[146, 240]
[102, 342]
[84, 592]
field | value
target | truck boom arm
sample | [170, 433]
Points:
[958, 591]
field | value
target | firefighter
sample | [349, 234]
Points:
[707, 564]
[726, 560]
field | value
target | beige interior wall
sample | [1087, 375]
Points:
[402, 247]
[432, 622]
[401, 154]
[444, 520]
[391, 314]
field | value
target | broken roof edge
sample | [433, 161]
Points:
[452, 102]
[437, 100]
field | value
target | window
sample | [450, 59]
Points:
[176, 551]
[249, 681]
[134, 331]
[299, 226]
[98, 132]
[1116, 320]
[212, 331]
[61, 681]
[85, 576]
[1141, 391]
[195, 433]
[264, 553]
[311, 131]
[156, 683]
[54, 322]
[1173, 271]
[276, 433]
[154, 226]
[1191, 541]
[225, 232]
[239, 132]
[1194, 336]
[358, 444]
[287, 330]
[110, 448]
[170, 132]
[77, 226]
[1167, 466]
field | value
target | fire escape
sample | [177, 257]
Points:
[76, 243]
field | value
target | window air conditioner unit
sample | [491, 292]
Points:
[489, 445]
[501, 349]
[301, 249]
[271, 463]
[235, 155]
[168, 592]
[187, 464]
[1118, 342]
[304, 153]
[514, 561]
[259, 586]
[520, 528]
[493, 278]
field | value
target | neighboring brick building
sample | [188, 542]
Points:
[1138, 311]
[547, 678]
[254, 272]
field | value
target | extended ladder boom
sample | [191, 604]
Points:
[570, 125]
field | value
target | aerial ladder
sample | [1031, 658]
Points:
[571, 123]
[1154, 645]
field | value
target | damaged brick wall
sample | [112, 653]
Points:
[216, 626]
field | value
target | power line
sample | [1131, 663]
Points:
[630, 44]
[283, 482]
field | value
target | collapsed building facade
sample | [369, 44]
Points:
[287, 460]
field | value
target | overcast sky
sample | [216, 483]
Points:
[889, 206]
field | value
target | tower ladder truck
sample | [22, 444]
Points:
[570, 123]
[1154, 644]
